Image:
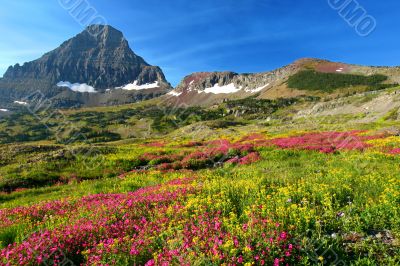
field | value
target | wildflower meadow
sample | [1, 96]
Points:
[329, 198]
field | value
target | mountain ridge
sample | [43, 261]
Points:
[97, 67]
[103, 63]
[199, 88]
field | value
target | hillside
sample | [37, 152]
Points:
[289, 81]
[264, 181]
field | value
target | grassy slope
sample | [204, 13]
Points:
[306, 192]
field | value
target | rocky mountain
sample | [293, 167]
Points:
[98, 68]
[97, 62]
[207, 88]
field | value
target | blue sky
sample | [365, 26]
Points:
[184, 36]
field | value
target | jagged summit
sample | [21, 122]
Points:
[97, 61]
[99, 56]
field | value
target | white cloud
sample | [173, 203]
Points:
[134, 86]
[77, 86]
[230, 88]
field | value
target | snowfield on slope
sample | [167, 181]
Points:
[230, 88]
[135, 86]
[256, 89]
[174, 93]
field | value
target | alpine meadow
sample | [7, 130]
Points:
[286, 158]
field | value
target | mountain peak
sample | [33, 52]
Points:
[97, 28]
[103, 35]
[99, 56]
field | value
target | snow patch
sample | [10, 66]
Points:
[230, 88]
[3, 110]
[77, 87]
[190, 87]
[256, 89]
[174, 93]
[21, 103]
[134, 86]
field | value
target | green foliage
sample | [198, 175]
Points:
[8, 236]
[167, 119]
[98, 126]
[262, 108]
[53, 164]
[392, 115]
[224, 123]
[328, 82]
[88, 135]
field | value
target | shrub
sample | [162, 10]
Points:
[328, 82]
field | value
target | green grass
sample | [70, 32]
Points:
[76, 190]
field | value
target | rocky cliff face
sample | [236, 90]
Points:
[206, 88]
[103, 61]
